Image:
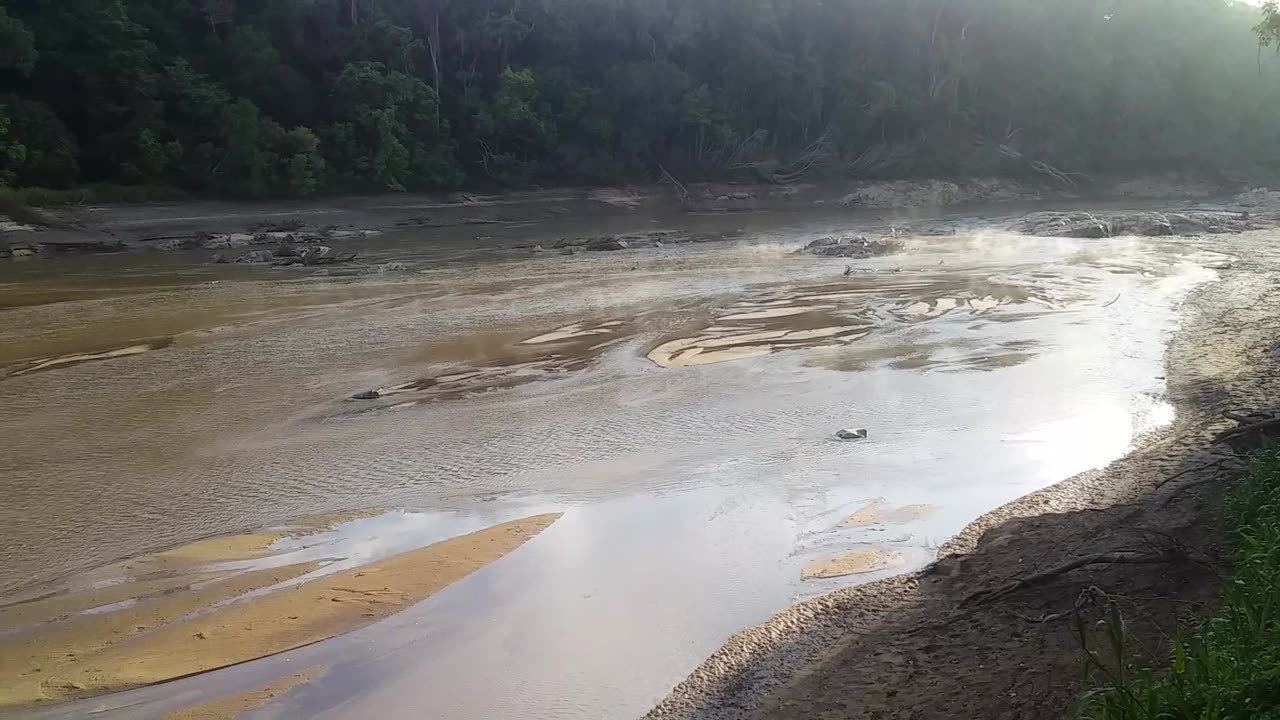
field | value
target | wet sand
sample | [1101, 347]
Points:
[511, 383]
[191, 620]
[230, 708]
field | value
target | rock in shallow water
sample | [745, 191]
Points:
[852, 434]
[256, 256]
[857, 247]
[1117, 224]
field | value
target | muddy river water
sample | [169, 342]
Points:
[678, 405]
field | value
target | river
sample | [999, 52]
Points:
[679, 405]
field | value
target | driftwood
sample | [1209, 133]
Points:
[1226, 435]
[974, 601]
[983, 597]
[1190, 470]
[679, 186]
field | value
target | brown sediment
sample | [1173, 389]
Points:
[899, 648]
[232, 707]
[858, 562]
[184, 631]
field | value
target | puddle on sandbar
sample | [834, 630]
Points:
[228, 600]
[515, 360]
[837, 316]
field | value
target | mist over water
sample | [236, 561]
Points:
[678, 404]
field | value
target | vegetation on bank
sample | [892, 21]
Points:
[1230, 668]
[262, 98]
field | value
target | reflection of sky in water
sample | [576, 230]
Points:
[696, 505]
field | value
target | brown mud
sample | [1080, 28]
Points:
[940, 644]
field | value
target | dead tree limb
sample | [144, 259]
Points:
[679, 186]
[1188, 471]
[1246, 429]
[1181, 490]
[983, 597]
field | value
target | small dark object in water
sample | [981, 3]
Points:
[367, 395]
[852, 434]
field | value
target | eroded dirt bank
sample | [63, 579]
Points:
[937, 645]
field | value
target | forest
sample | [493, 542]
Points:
[267, 98]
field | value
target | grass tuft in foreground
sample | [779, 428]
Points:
[1230, 668]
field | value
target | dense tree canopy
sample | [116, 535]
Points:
[291, 97]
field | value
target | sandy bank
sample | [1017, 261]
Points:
[183, 612]
[909, 647]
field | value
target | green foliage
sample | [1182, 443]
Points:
[35, 147]
[1230, 668]
[256, 98]
[17, 45]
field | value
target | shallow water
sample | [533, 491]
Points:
[678, 404]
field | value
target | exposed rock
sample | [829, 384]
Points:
[607, 244]
[857, 247]
[905, 193]
[537, 248]
[1117, 224]
[22, 252]
[367, 395]
[256, 256]
[1168, 185]
[566, 251]
[390, 267]
[852, 434]
[1258, 198]
[218, 241]
[937, 193]
[218, 259]
[286, 249]
[290, 225]
[634, 241]
[740, 196]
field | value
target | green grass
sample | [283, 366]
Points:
[22, 204]
[1230, 667]
[92, 194]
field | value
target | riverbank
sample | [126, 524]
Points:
[224, 225]
[954, 640]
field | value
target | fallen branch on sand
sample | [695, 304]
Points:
[679, 186]
[1179, 492]
[983, 597]
[1246, 429]
[1190, 470]
[975, 601]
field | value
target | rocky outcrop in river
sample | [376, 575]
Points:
[857, 247]
[635, 241]
[1117, 224]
